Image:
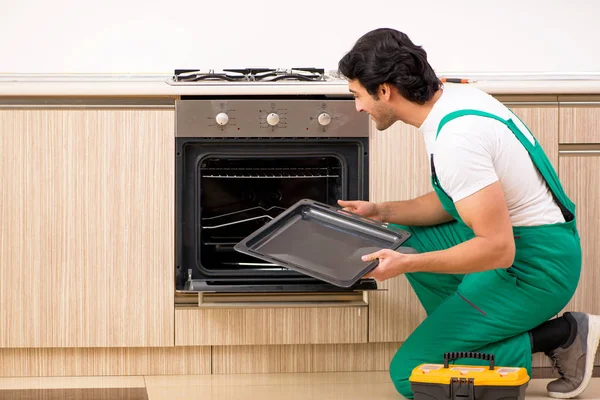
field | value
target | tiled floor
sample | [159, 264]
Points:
[321, 386]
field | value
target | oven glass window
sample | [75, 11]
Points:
[239, 195]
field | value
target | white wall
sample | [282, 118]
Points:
[152, 36]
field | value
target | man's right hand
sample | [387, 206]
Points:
[364, 208]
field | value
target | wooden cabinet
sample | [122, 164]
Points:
[579, 175]
[271, 326]
[86, 224]
[399, 170]
[579, 134]
[580, 119]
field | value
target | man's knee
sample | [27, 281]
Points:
[401, 368]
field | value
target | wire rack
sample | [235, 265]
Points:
[268, 173]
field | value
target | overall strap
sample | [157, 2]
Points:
[539, 158]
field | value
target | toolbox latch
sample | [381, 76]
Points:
[462, 389]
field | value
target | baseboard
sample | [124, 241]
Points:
[105, 361]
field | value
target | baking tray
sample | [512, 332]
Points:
[322, 241]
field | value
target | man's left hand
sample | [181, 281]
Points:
[391, 263]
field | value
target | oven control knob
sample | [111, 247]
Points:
[222, 119]
[324, 119]
[272, 119]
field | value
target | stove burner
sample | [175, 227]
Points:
[251, 75]
[196, 75]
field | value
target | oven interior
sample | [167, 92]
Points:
[227, 190]
[240, 194]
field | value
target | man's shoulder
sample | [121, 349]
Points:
[462, 100]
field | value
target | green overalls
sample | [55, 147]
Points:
[491, 311]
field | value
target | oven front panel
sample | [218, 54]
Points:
[228, 188]
[270, 118]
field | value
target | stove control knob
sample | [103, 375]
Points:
[272, 119]
[222, 119]
[324, 119]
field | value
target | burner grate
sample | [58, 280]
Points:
[308, 74]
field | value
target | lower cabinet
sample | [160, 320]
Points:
[270, 326]
[86, 225]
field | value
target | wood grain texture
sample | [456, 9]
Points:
[298, 325]
[105, 361]
[579, 175]
[303, 358]
[542, 121]
[398, 170]
[579, 123]
[86, 227]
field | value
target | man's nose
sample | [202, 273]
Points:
[359, 107]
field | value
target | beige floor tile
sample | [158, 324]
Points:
[537, 390]
[309, 386]
[305, 386]
[268, 379]
[324, 391]
[72, 382]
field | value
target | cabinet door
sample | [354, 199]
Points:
[579, 166]
[400, 171]
[579, 175]
[86, 227]
[580, 119]
[270, 325]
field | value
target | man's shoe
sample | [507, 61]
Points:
[575, 359]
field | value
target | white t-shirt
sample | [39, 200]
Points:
[472, 152]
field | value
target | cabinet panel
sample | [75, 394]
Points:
[115, 361]
[399, 170]
[303, 358]
[579, 175]
[86, 227]
[579, 119]
[298, 325]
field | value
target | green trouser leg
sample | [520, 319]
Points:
[489, 312]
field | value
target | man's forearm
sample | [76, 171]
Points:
[425, 210]
[474, 255]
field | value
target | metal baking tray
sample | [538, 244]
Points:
[322, 241]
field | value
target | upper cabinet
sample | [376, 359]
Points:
[86, 225]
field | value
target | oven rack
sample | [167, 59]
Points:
[268, 173]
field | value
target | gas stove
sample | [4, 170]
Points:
[251, 76]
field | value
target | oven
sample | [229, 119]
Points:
[240, 162]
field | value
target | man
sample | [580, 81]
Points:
[499, 252]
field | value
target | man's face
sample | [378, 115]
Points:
[379, 110]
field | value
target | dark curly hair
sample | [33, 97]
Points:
[388, 56]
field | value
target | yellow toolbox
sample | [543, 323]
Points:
[468, 382]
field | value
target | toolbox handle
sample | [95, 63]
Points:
[468, 354]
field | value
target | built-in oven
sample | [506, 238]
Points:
[242, 161]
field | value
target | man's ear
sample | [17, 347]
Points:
[385, 91]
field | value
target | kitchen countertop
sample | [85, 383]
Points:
[24, 85]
